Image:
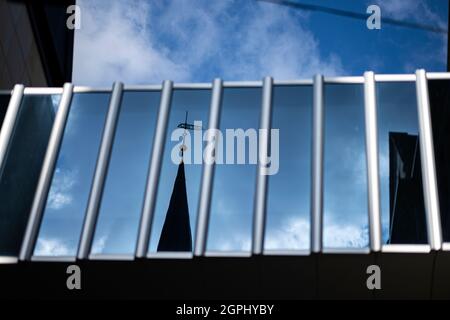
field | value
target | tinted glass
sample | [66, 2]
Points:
[4, 100]
[22, 166]
[121, 205]
[288, 206]
[234, 184]
[67, 199]
[402, 204]
[345, 174]
[176, 233]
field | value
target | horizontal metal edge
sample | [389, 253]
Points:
[446, 246]
[48, 90]
[6, 92]
[275, 252]
[344, 80]
[406, 248]
[230, 254]
[346, 250]
[8, 260]
[83, 89]
[395, 77]
[438, 75]
[53, 259]
[170, 255]
[111, 257]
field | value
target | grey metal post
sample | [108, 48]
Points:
[373, 178]
[317, 165]
[208, 171]
[260, 206]
[431, 196]
[101, 169]
[154, 171]
[45, 178]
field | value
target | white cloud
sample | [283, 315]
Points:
[51, 247]
[60, 192]
[99, 244]
[147, 42]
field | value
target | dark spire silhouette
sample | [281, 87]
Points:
[176, 232]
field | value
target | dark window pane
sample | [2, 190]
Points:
[174, 225]
[66, 203]
[4, 101]
[22, 167]
[345, 174]
[402, 206]
[121, 206]
[439, 91]
[234, 184]
[288, 206]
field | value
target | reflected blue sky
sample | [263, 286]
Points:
[345, 177]
[66, 203]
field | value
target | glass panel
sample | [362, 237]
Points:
[22, 167]
[67, 199]
[288, 206]
[439, 91]
[177, 202]
[121, 206]
[402, 205]
[345, 174]
[233, 190]
[4, 101]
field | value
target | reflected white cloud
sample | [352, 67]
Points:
[51, 247]
[60, 192]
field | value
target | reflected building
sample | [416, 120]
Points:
[406, 215]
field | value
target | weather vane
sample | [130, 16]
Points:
[186, 126]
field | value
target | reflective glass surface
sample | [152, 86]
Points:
[20, 173]
[345, 175]
[67, 199]
[288, 200]
[121, 205]
[234, 181]
[176, 233]
[4, 100]
[402, 204]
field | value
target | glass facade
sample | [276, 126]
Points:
[22, 165]
[288, 226]
[345, 173]
[4, 100]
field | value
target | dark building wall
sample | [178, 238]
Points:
[20, 61]
[407, 210]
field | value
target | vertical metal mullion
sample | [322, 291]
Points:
[46, 174]
[260, 206]
[373, 178]
[9, 122]
[431, 196]
[154, 171]
[208, 171]
[317, 165]
[101, 169]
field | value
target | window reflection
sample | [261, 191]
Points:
[288, 206]
[234, 185]
[345, 173]
[402, 204]
[439, 91]
[22, 167]
[179, 183]
[121, 206]
[67, 199]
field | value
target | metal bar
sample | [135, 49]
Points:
[9, 122]
[208, 171]
[406, 248]
[83, 89]
[33, 91]
[373, 178]
[260, 207]
[344, 80]
[40, 197]
[98, 184]
[242, 84]
[317, 165]
[151, 189]
[438, 75]
[431, 196]
[395, 77]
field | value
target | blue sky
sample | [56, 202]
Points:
[141, 42]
